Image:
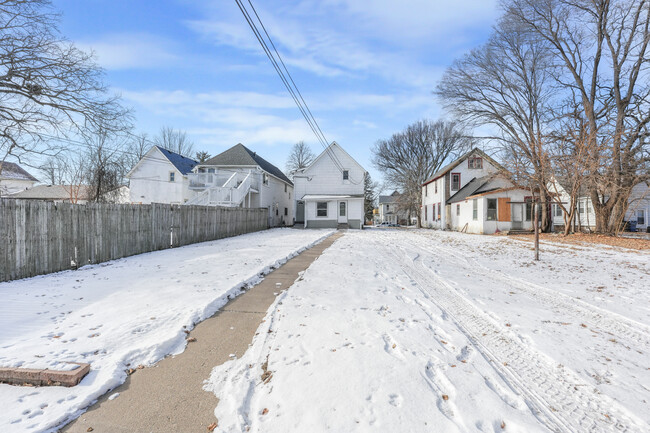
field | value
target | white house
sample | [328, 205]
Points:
[239, 177]
[490, 204]
[329, 192]
[639, 206]
[389, 209]
[161, 177]
[13, 179]
[448, 181]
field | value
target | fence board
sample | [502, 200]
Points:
[39, 237]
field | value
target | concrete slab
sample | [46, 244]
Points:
[169, 397]
[29, 376]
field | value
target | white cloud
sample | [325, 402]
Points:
[132, 51]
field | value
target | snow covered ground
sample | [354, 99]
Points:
[121, 314]
[408, 330]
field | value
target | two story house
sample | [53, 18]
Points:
[329, 192]
[239, 177]
[390, 211]
[448, 181]
[161, 177]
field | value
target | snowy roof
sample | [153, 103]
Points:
[240, 155]
[182, 163]
[14, 171]
[54, 192]
[330, 196]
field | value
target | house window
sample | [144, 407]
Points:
[172, 176]
[455, 181]
[458, 210]
[286, 211]
[210, 170]
[342, 208]
[201, 170]
[321, 208]
[346, 175]
[491, 209]
[436, 186]
[475, 209]
[529, 208]
[285, 187]
[265, 179]
[640, 217]
[387, 207]
[426, 190]
[557, 210]
[475, 162]
[581, 207]
[276, 212]
[439, 206]
[426, 217]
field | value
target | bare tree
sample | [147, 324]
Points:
[601, 52]
[175, 141]
[47, 86]
[300, 157]
[106, 157]
[505, 84]
[409, 158]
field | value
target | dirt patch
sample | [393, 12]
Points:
[591, 239]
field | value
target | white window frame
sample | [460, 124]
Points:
[643, 217]
[475, 209]
[496, 209]
[172, 176]
[319, 210]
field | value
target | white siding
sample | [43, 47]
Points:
[431, 198]
[149, 181]
[274, 197]
[12, 186]
[639, 204]
[481, 225]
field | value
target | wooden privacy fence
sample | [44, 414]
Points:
[39, 237]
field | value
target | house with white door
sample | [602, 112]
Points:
[390, 210]
[239, 177]
[490, 204]
[329, 192]
[161, 177]
[435, 212]
[13, 179]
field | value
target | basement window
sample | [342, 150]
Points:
[491, 209]
[321, 208]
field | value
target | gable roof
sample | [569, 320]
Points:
[457, 162]
[15, 172]
[469, 189]
[328, 152]
[54, 192]
[241, 155]
[389, 198]
[182, 163]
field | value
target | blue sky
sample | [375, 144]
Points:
[366, 68]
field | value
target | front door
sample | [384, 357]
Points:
[517, 215]
[300, 212]
[343, 212]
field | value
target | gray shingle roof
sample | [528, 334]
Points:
[389, 198]
[182, 163]
[14, 171]
[469, 189]
[54, 192]
[241, 155]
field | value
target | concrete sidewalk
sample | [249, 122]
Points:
[169, 396]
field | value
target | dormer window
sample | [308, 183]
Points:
[475, 162]
[346, 174]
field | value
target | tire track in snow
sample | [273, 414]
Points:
[598, 318]
[552, 393]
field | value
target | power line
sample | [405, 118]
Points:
[291, 88]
